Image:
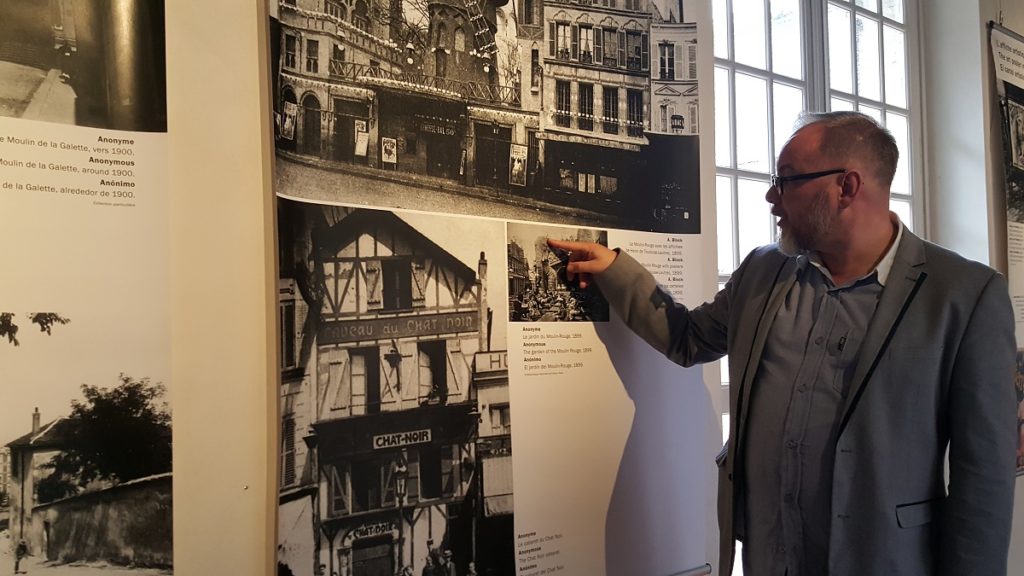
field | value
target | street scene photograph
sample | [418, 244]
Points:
[538, 289]
[538, 110]
[396, 434]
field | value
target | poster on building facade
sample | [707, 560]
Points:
[85, 426]
[1008, 55]
[422, 312]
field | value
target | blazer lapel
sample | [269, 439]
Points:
[905, 278]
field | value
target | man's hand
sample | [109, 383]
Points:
[585, 259]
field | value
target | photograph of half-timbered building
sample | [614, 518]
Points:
[392, 458]
[568, 112]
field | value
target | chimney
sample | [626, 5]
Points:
[35, 422]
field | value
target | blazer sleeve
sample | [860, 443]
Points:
[685, 336]
[977, 514]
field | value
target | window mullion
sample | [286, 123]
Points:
[816, 61]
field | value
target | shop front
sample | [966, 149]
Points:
[428, 134]
[395, 487]
[602, 179]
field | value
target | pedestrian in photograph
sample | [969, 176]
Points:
[860, 356]
[20, 552]
[447, 564]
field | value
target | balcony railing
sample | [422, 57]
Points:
[472, 91]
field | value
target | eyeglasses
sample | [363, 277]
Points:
[778, 181]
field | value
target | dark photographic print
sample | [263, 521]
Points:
[1013, 150]
[84, 62]
[396, 449]
[538, 290]
[572, 113]
[1015, 112]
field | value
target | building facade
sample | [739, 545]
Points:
[381, 328]
[5, 476]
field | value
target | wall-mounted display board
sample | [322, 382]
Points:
[1008, 56]
[450, 404]
[85, 428]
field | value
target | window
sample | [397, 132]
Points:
[372, 484]
[635, 113]
[288, 359]
[586, 54]
[562, 41]
[361, 16]
[667, 61]
[562, 98]
[460, 40]
[610, 41]
[501, 419]
[677, 124]
[528, 15]
[611, 110]
[357, 384]
[397, 279]
[339, 490]
[335, 9]
[290, 49]
[287, 451]
[433, 371]
[761, 53]
[633, 5]
[439, 475]
[586, 100]
[636, 51]
[312, 56]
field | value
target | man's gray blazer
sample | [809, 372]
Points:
[935, 370]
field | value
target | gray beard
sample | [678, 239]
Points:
[788, 244]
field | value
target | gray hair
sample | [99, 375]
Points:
[853, 134]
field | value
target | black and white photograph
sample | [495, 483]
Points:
[396, 445]
[1013, 150]
[601, 100]
[95, 63]
[538, 289]
[1015, 112]
[85, 446]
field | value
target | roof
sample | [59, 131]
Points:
[383, 224]
[51, 435]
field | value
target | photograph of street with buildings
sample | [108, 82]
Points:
[538, 290]
[1013, 150]
[396, 454]
[84, 62]
[576, 113]
[85, 449]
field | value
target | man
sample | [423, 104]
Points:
[19, 554]
[858, 353]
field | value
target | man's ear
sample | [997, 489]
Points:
[850, 187]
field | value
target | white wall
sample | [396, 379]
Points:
[222, 289]
[964, 173]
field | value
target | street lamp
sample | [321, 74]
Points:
[401, 476]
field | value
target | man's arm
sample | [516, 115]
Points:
[977, 514]
[685, 336]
